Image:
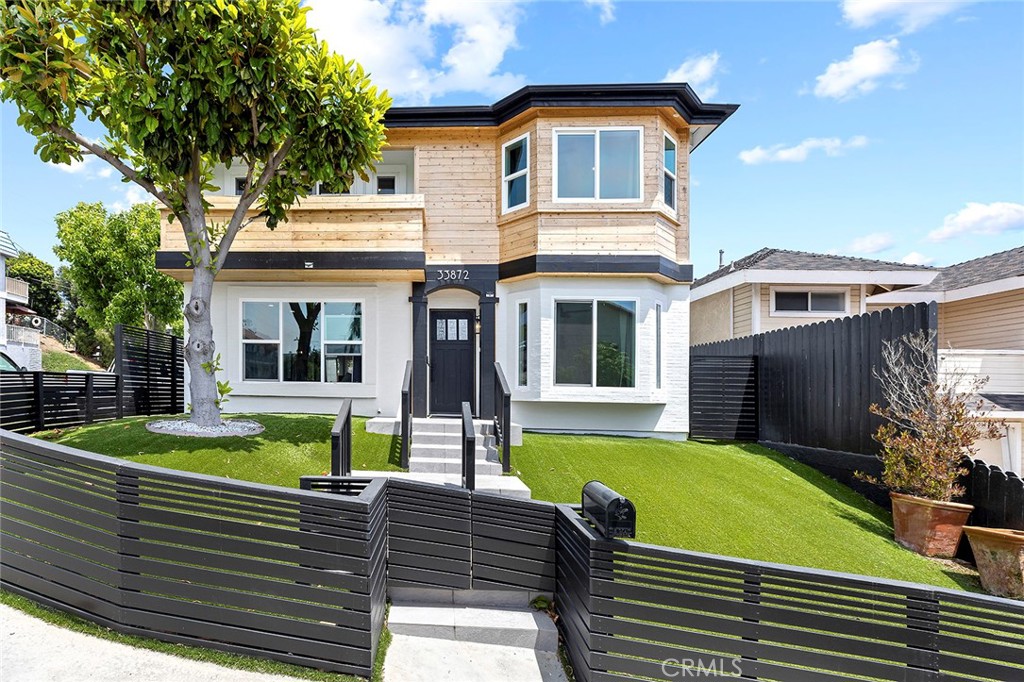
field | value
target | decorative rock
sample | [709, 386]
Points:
[183, 427]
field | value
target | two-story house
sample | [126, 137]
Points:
[20, 344]
[548, 232]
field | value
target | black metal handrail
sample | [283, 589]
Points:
[341, 441]
[405, 417]
[468, 448]
[503, 417]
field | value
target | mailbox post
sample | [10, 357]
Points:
[612, 514]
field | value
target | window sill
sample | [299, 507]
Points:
[303, 389]
[593, 394]
[812, 314]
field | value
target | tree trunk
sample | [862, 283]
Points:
[200, 349]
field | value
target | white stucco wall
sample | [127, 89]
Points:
[641, 410]
[387, 344]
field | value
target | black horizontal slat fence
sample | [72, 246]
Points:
[513, 544]
[286, 574]
[635, 611]
[152, 367]
[723, 397]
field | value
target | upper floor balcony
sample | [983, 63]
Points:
[17, 290]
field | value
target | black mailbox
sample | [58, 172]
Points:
[613, 514]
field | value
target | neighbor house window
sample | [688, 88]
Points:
[515, 190]
[669, 162]
[308, 341]
[786, 301]
[657, 345]
[522, 348]
[595, 343]
[239, 186]
[601, 164]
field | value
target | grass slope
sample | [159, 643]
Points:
[740, 500]
[62, 361]
[292, 445]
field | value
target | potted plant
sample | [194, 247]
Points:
[932, 423]
[999, 553]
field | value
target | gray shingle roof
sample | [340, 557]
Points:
[978, 271]
[782, 259]
[7, 246]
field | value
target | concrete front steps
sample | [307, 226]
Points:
[437, 447]
[469, 635]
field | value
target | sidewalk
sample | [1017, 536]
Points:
[34, 651]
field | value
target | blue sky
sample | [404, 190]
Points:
[875, 128]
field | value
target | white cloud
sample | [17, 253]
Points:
[915, 258]
[866, 67]
[606, 9]
[105, 172]
[699, 72]
[873, 243]
[910, 15]
[397, 41]
[832, 146]
[77, 167]
[986, 219]
[131, 194]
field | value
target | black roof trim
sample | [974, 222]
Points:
[679, 96]
[305, 260]
[573, 264]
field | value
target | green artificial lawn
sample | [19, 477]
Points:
[740, 500]
[292, 445]
[734, 499]
[61, 361]
[228, 660]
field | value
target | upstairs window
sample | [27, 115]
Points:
[515, 174]
[791, 301]
[600, 164]
[669, 162]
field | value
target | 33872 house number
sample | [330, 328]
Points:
[452, 275]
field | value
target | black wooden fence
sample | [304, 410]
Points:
[152, 367]
[300, 576]
[998, 499]
[148, 378]
[281, 573]
[723, 397]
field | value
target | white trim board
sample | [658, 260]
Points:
[910, 296]
[789, 277]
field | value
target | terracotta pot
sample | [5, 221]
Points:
[928, 527]
[999, 553]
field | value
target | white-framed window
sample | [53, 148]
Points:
[523, 347]
[809, 302]
[306, 341]
[657, 345]
[595, 343]
[598, 164]
[668, 161]
[515, 173]
[239, 186]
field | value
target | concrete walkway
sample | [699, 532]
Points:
[426, 659]
[32, 650]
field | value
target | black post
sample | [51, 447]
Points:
[752, 596]
[175, 379]
[405, 416]
[468, 448]
[419, 349]
[149, 372]
[37, 402]
[119, 396]
[503, 417]
[89, 403]
[341, 441]
[119, 368]
[923, 615]
[486, 401]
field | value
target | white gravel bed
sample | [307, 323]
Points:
[183, 427]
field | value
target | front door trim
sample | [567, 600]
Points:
[452, 363]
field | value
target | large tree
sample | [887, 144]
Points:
[43, 291]
[180, 87]
[112, 267]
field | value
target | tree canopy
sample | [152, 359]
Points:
[112, 267]
[43, 290]
[180, 87]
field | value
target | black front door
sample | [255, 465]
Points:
[452, 351]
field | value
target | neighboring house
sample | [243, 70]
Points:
[548, 232]
[980, 306]
[19, 343]
[775, 288]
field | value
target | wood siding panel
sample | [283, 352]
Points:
[742, 311]
[770, 323]
[1005, 370]
[992, 322]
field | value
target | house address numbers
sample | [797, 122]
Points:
[452, 275]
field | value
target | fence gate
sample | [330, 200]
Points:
[723, 397]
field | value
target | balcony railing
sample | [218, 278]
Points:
[17, 288]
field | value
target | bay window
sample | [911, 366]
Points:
[595, 343]
[523, 357]
[302, 341]
[515, 184]
[597, 164]
[669, 162]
